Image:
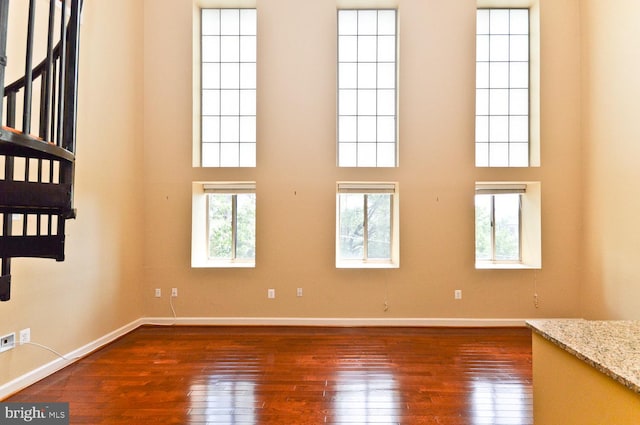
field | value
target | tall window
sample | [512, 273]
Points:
[367, 225]
[367, 88]
[502, 88]
[499, 222]
[228, 126]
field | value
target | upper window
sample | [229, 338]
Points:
[224, 224]
[367, 225]
[367, 126]
[228, 79]
[502, 88]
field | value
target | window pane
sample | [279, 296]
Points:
[519, 21]
[347, 48]
[387, 104]
[367, 48]
[386, 48]
[347, 102]
[210, 49]
[210, 21]
[499, 21]
[229, 49]
[248, 75]
[229, 102]
[499, 75]
[367, 154]
[248, 49]
[507, 227]
[367, 76]
[347, 22]
[483, 227]
[230, 21]
[229, 155]
[367, 22]
[386, 76]
[386, 130]
[351, 226]
[246, 226]
[248, 21]
[379, 226]
[248, 129]
[210, 76]
[386, 154]
[386, 22]
[220, 226]
[247, 155]
[367, 103]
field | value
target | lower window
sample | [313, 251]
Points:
[367, 224]
[224, 224]
[507, 218]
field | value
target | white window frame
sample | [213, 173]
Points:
[366, 188]
[367, 90]
[200, 223]
[529, 224]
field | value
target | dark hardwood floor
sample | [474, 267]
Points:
[299, 375]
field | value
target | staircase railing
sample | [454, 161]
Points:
[36, 185]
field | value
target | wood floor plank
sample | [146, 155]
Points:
[299, 375]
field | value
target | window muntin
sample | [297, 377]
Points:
[367, 88]
[498, 224]
[228, 87]
[366, 225]
[502, 88]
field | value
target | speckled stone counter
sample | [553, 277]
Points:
[612, 347]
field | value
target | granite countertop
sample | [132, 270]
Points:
[612, 347]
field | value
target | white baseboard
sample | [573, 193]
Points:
[43, 371]
[346, 322]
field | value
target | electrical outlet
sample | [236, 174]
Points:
[299, 292]
[457, 294]
[158, 292]
[25, 336]
[174, 292]
[271, 293]
[7, 342]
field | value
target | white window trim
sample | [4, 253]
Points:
[199, 229]
[371, 187]
[530, 224]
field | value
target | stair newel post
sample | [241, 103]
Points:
[28, 71]
[67, 171]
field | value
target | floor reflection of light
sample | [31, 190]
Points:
[223, 400]
[498, 403]
[363, 399]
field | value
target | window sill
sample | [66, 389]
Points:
[366, 265]
[505, 266]
[224, 265]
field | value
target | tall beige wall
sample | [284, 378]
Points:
[296, 172]
[96, 290]
[611, 106]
